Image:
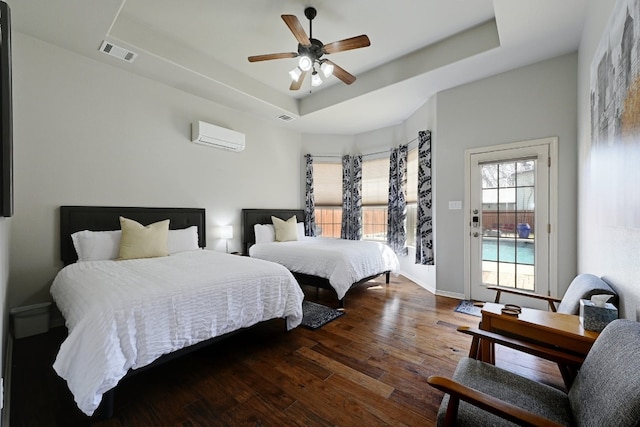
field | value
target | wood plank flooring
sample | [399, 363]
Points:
[368, 367]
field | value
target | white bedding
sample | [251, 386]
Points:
[342, 262]
[123, 315]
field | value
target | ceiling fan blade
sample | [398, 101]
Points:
[296, 28]
[340, 73]
[347, 44]
[295, 85]
[270, 56]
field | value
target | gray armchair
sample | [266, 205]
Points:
[606, 391]
[583, 286]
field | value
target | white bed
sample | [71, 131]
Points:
[123, 315]
[342, 262]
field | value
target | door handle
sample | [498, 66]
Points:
[476, 234]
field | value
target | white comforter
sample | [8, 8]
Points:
[123, 315]
[342, 262]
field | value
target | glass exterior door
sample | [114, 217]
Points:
[509, 217]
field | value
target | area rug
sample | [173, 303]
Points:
[316, 315]
[468, 307]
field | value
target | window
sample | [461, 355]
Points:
[328, 221]
[375, 198]
[327, 180]
[327, 186]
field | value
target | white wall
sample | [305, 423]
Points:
[87, 133]
[425, 118]
[605, 249]
[528, 103]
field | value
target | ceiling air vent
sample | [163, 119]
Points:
[285, 118]
[117, 51]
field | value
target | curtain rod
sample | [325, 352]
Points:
[338, 156]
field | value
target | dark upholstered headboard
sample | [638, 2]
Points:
[251, 217]
[104, 218]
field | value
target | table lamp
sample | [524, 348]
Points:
[226, 232]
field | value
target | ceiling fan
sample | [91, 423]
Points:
[311, 52]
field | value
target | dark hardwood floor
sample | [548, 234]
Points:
[368, 367]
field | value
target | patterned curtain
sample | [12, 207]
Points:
[346, 196]
[424, 231]
[356, 200]
[397, 208]
[351, 198]
[309, 202]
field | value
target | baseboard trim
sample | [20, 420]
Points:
[450, 294]
[419, 282]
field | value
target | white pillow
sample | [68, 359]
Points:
[265, 233]
[300, 230]
[105, 245]
[96, 245]
[183, 240]
[286, 231]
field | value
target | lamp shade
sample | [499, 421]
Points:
[327, 69]
[295, 74]
[305, 63]
[226, 232]
[315, 79]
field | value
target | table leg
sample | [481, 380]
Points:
[569, 373]
[487, 349]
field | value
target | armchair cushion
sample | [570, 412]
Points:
[584, 286]
[532, 396]
[606, 389]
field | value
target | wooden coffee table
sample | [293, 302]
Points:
[560, 331]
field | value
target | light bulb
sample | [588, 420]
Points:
[315, 79]
[327, 69]
[295, 74]
[305, 63]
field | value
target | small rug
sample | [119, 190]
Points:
[468, 307]
[317, 315]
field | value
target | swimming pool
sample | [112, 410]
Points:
[509, 250]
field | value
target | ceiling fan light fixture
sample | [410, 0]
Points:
[295, 74]
[305, 63]
[327, 69]
[315, 79]
[310, 52]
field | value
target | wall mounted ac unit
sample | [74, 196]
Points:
[216, 136]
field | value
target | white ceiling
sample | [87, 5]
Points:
[418, 48]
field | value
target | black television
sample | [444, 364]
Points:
[6, 114]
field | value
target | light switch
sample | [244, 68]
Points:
[455, 204]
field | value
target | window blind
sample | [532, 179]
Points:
[375, 182]
[327, 183]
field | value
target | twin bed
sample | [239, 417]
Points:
[125, 316]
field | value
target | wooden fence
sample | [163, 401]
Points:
[507, 221]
